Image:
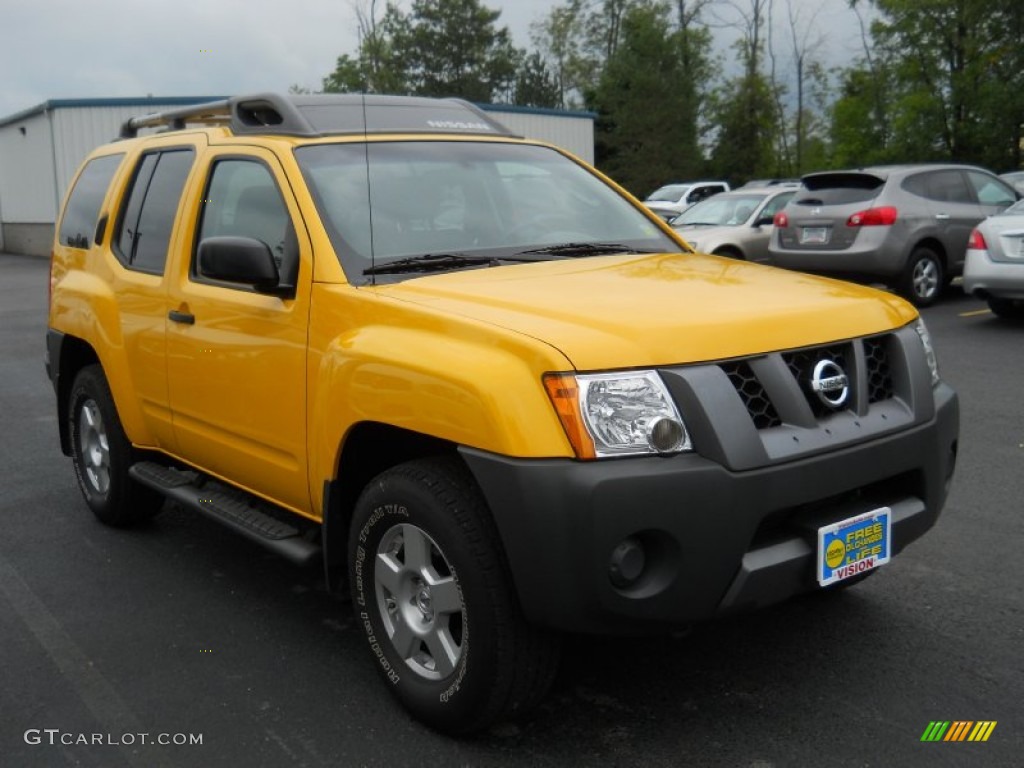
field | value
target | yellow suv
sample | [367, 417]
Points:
[478, 382]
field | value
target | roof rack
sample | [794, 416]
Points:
[326, 115]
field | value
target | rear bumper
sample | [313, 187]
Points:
[984, 277]
[715, 540]
[862, 260]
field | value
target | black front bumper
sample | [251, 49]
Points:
[715, 540]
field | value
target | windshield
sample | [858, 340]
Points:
[487, 199]
[720, 211]
[671, 193]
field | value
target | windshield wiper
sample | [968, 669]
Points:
[429, 262]
[584, 249]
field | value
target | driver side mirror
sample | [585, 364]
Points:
[244, 260]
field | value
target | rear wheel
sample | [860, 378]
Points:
[102, 454]
[432, 592]
[1006, 308]
[924, 277]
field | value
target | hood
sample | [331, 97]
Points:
[606, 312]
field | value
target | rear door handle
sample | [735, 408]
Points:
[185, 318]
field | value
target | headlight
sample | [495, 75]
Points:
[617, 414]
[929, 351]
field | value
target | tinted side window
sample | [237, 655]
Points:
[242, 200]
[990, 190]
[942, 186]
[917, 184]
[144, 233]
[83, 208]
[949, 187]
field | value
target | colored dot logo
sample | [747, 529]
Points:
[835, 553]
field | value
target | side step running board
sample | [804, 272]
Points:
[233, 508]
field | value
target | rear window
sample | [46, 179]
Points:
[838, 189]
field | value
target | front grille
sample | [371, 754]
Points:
[766, 413]
[879, 374]
[753, 394]
[801, 364]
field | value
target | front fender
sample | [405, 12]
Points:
[484, 392]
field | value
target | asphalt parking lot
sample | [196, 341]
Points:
[181, 629]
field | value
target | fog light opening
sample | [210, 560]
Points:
[627, 563]
[665, 435]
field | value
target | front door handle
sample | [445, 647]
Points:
[185, 318]
[942, 216]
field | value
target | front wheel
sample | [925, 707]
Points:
[923, 278]
[102, 454]
[433, 595]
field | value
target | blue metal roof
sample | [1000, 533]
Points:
[172, 101]
[129, 101]
[537, 110]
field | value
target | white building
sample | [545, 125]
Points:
[42, 147]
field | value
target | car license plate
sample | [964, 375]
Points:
[854, 546]
[814, 235]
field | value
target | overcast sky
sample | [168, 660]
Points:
[105, 48]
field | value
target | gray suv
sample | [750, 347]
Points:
[903, 225]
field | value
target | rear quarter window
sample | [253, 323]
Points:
[946, 186]
[78, 224]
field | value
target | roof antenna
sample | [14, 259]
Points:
[369, 195]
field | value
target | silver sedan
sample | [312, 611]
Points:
[994, 269]
[736, 224]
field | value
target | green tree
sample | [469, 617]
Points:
[558, 39]
[647, 127]
[859, 136]
[948, 80]
[745, 109]
[439, 48]
[453, 48]
[743, 113]
[535, 84]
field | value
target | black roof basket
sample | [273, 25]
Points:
[326, 115]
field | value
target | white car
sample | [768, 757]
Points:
[672, 199]
[994, 269]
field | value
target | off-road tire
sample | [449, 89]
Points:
[493, 665]
[102, 454]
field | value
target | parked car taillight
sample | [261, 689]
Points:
[977, 241]
[873, 217]
[781, 219]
